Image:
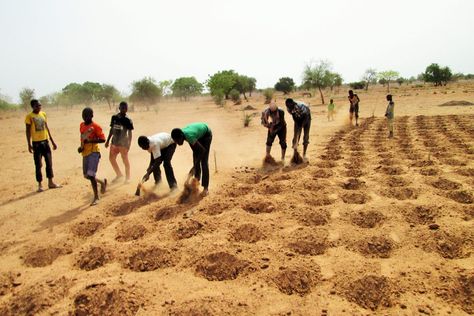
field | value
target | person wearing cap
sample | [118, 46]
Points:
[273, 118]
[121, 127]
[199, 137]
[161, 148]
[302, 119]
[37, 134]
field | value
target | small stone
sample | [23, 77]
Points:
[434, 226]
[403, 306]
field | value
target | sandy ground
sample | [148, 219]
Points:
[368, 226]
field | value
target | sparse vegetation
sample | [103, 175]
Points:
[146, 92]
[437, 75]
[26, 94]
[247, 119]
[369, 77]
[387, 76]
[268, 94]
[219, 97]
[357, 85]
[235, 96]
[285, 85]
[318, 75]
[186, 87]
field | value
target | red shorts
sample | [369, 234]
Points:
[115, 150]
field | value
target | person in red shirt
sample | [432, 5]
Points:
[91, 136]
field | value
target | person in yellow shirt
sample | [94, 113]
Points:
[37, 133]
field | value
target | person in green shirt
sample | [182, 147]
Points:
[199, 137]
[331, 110]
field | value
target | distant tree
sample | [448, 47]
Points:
[437, 75]
[145, 91]
[223, 81]
[400, 80]
[244, 84]
[317, 75]
[186, 87]
[26, 94]
[369, 77]
[387, 76]
[252, 85]
[165, 86]
[285, 85]
[336, 80]
[358, 85]
[109, 94]
[235, 96]
[268, 94]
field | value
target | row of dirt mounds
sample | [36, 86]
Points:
[102, 299]
[128, 232]
[298, 281]
[93, 258]
[248, 233]
[150, 259]
[85, 229]
[458, 290]
[369, 219]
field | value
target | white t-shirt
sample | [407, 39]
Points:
[158, 142]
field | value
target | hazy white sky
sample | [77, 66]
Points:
[47, 44]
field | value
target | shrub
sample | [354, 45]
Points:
[357, 85]
[235, 96]
[247, 119]
[268, 94]
[218, 97]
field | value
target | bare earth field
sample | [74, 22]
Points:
[370, 225]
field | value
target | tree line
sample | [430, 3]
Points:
[228, 85]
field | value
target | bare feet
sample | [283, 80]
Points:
[95, 201]
[117, 178]
[103, 186]
[204, 193]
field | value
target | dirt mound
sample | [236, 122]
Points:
[400, 193]
[249, 108]
[371, 292]
[468, 172]
[314, 217]
[444, 184]
[216, 208]
[394, 181]
[149, 260]
[421, 215]
[353, 184]
[392, 171]
[375, 247]
[322, 173]
[167, 212]
[247, 233]
[44, 256]
[94, 258]
[429, 172]
[455, 162]
[130, 232]
[36, 299]
[295, 281]
[457, 103]
[221, 266]
[208, 306]
[355, 198]
[311, 244]
[6, 283]
[450, 246]
[187, 229]
[259, 206]
[459, 290]
[270, 188]
[326, 164]
[101, 299]
[190, 192]
[238, 190]
[368, 219]
[86, 228]
[354, 173]
[422, 163]
[318, 200]
[463, 197]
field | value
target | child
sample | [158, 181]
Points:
[354, 106]
[91, 136]
[121, 127]
[389, 114]
[161, 148]
[331, 110]
[273, 118]
[37, 130]
[199, 137]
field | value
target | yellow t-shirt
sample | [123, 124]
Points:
[37, 123]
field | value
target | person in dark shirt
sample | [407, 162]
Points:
[353, 106]
[302, 118]
[121, 127]
[273, 118]
[199, 137]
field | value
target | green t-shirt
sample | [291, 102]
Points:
[194, 131]
[331, 106]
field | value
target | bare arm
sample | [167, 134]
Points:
[28, 137]
[108, 138]
[129, 138]
[51, 137]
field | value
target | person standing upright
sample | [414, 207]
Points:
[353, 106]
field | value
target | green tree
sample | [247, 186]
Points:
[369, 77]
[223, 81]
[285, 85]
[245, 84]
[165, 86]
[317, 75]
[234, 95]
[336, 80]
[437, 75]
[109, 94]
[401, 80]
[387, 76]
[252, 85]
[26, 94]
[145, 91]
[186, 87]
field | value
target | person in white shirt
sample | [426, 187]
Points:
[161, 148]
